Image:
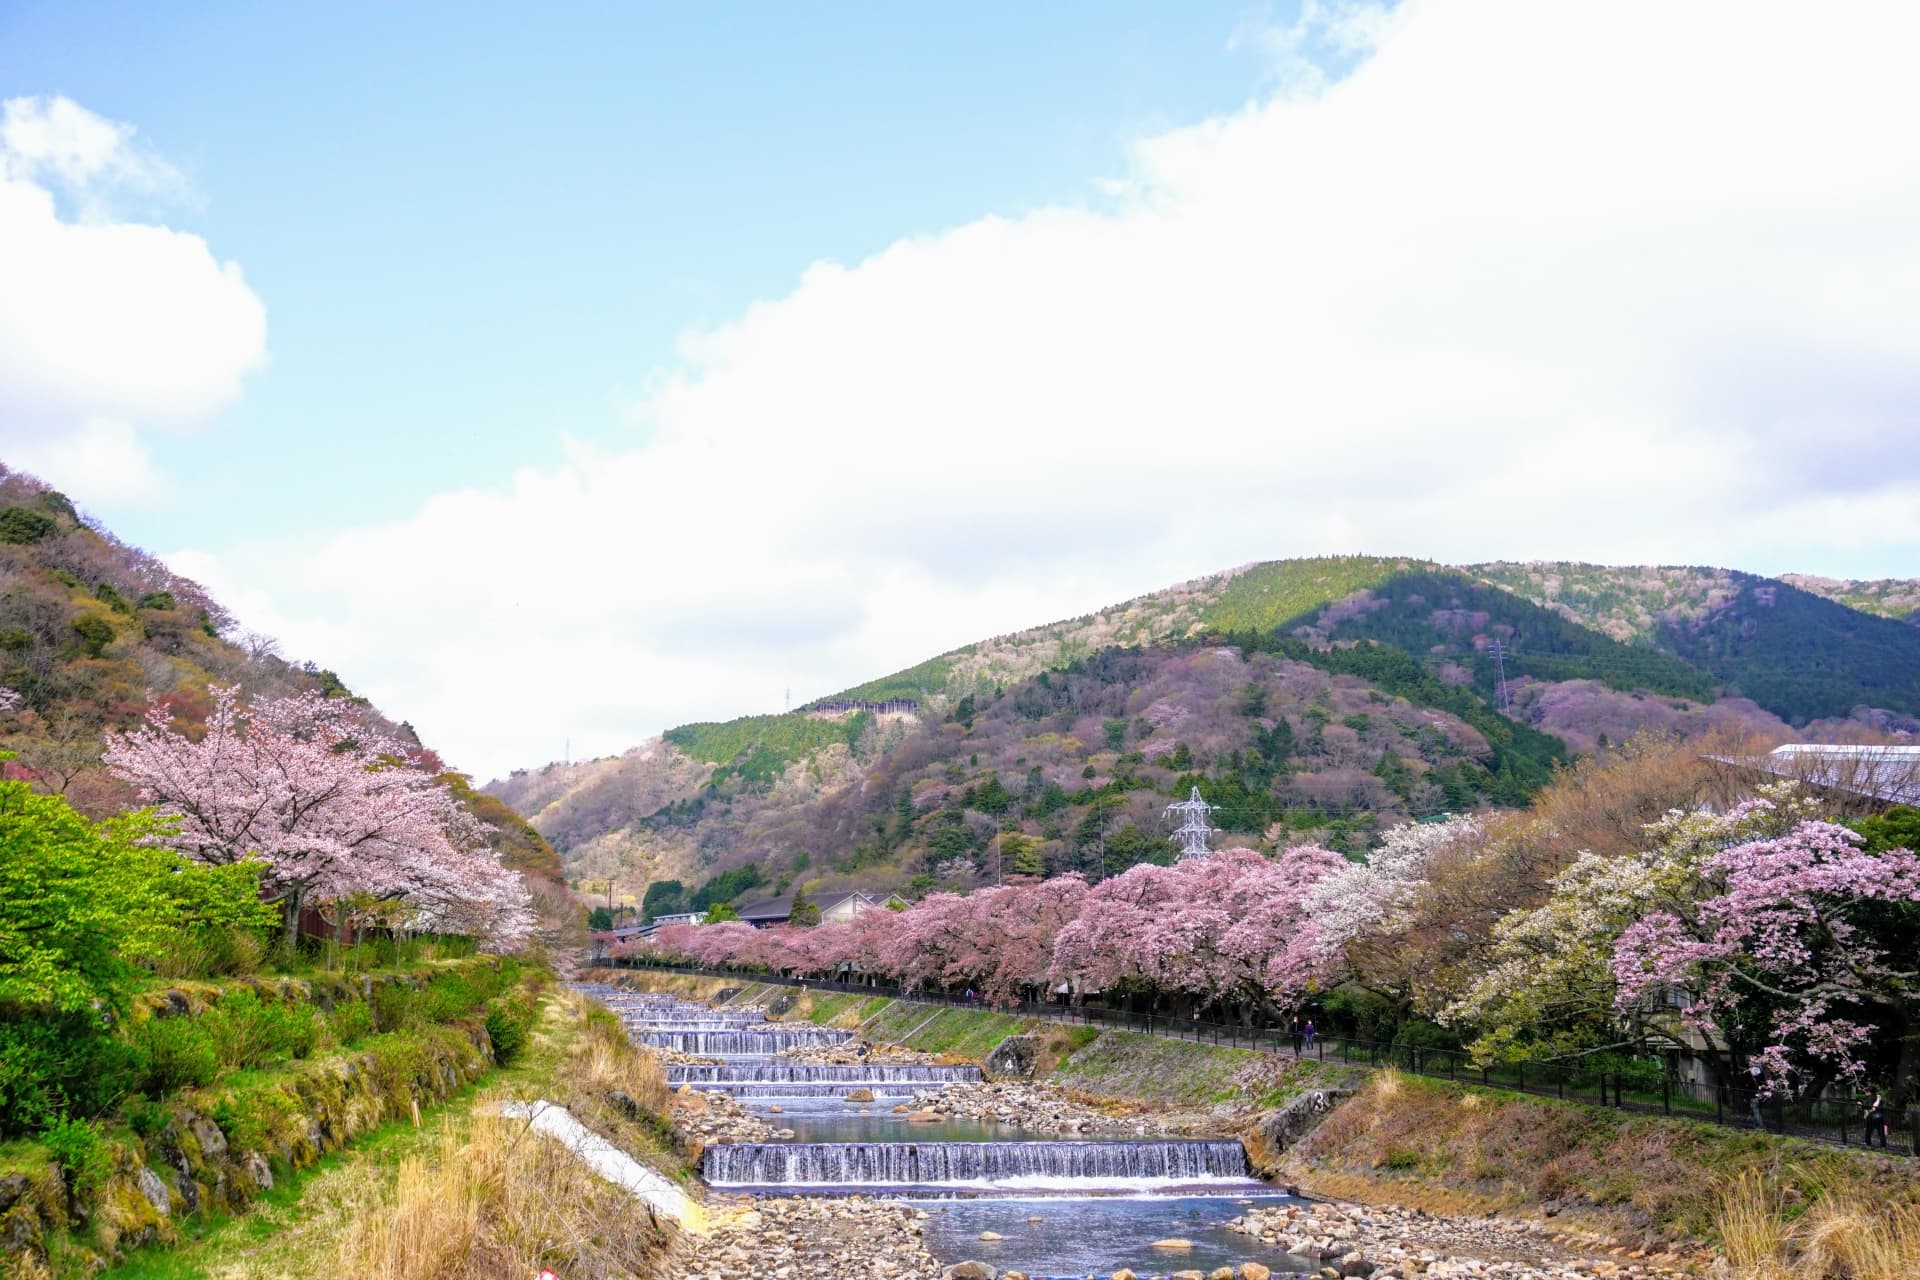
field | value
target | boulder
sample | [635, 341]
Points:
[1173, 1244]
[154, 1190]
[1013, 1058]
[859, 1095]
[969, 1271]
[1255, 1271]
[991, 1235]
[1274, 1132]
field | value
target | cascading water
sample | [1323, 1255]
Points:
[1138, 1191]
[930, 1075]
[1006, 1165]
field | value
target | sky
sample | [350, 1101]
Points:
[557, 377]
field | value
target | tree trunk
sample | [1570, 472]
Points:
[291, 907]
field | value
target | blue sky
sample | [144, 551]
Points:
[563, 376]
[478, 230]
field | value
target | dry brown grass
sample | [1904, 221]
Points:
[1848, 1234]
[603, 1059]
[497, 1202]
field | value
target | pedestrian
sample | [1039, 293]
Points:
[1877, 1119]
[1297, 1034]
[1309, 1032]
[969, 995]
[1754, 1082]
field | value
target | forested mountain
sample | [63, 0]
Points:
[93, 632]
[1326, 696]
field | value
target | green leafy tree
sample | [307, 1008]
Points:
[20, 525]
[721, 912]
[662, 898]
[804, 913]
[82, 905]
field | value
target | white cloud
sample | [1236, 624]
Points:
[1616, 281]
[106, 325]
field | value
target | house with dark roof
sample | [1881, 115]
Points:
[835, 908]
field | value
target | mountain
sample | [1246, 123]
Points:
[1326, 696]
[93, 632]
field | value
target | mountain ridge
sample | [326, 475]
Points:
[1586, 655]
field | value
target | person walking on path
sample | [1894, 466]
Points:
[1309, 1032]
[1753, 1101]
[1877, 1120]
[1297, 1034]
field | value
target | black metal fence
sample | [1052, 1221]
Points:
[1842, 1119]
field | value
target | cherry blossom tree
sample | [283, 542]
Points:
[1801, 938]
[1356, 914]
[1548, 982]
[1217, 929]
[335, 810]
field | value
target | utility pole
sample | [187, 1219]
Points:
[1500, 658]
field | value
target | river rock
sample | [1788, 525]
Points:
[1255, 1271]
[970, 1271]
[1175, 1243]
[991, 1235]
[1276, 1131]
[1013, 1058]
[155, 1191]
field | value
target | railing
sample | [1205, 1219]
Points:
[1839, 1120]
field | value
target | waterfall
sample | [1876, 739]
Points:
[1036, 1165]
[881, 1090]
[768, 1040]
[915, 1073]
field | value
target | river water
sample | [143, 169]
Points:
[1062, 1208]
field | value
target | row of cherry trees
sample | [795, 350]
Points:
[1757, 928]
[1236, 930]
[336, 812]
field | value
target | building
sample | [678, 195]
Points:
[835, 908]
[1887, 775]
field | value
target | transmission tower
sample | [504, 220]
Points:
[1500, 659]
[1193, 830]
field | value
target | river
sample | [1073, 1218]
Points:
[1061, 1208]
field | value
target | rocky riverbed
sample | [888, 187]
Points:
[706, 1118]
[1351, 1240]
[1033, 1106]
[809, 1239]
[854, 1052]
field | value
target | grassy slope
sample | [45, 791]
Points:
[1447, 1147]
[1114, 1064]
[1422, 1143]
[293, 1230]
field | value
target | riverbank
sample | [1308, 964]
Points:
[466, 1191]
[1609, 1179]
[1597, 1184]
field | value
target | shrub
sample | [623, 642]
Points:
[56, 1064]
[173, 1053]
[146, 1117]
[157, 600]
[250, 1032]
[396, 1007]
[507, 1029]
[84, 1159]
[350, 1023]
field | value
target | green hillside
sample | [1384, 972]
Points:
[1366, 690]
[1801, 656]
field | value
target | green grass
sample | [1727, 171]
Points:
[758, 748]
[1279, 591]
[212, 1244]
